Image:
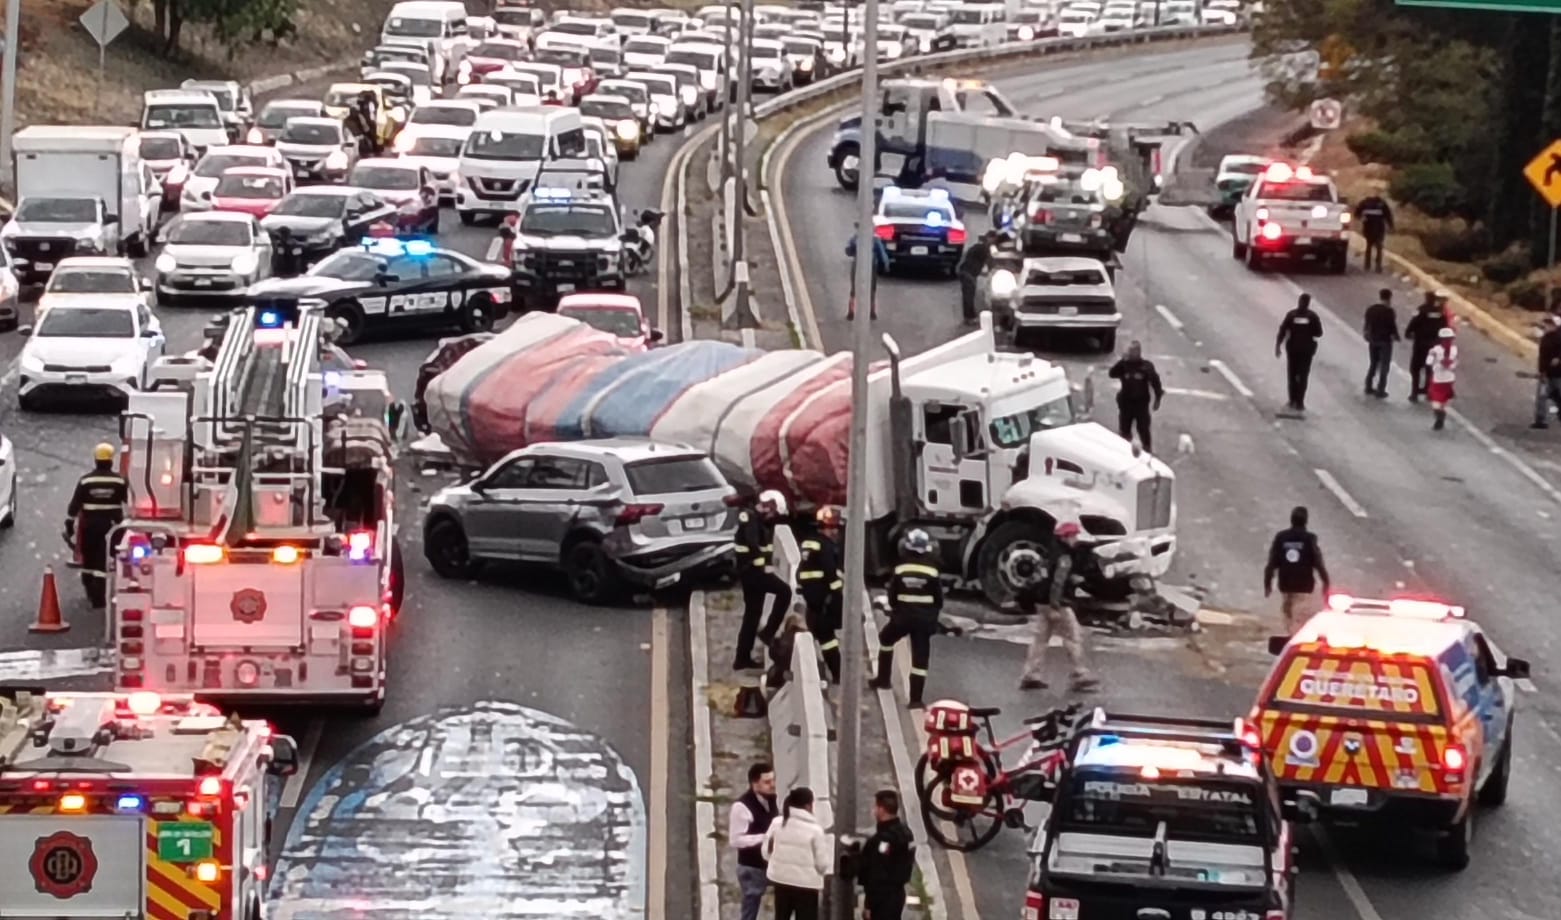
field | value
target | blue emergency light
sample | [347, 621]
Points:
[934, 218]
[419, 248]
[140, 551]
[390, 247]
[129, 803]
[270, 319]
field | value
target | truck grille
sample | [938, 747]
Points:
[1154, 503]
[567, 266]
[500, 189]
[42, 249]
[84, 369]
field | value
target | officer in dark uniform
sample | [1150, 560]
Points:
[972, 265]
[1298, 335]
[888, 857]
[819, 580]
[1375, 219]
[755, 545]
[1295, 557]
[1422, 331]
[915, 601]
[96, 507]
[1140, 382]
[288, 258]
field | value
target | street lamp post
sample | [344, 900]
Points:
[13, 43]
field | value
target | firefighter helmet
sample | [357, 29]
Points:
[916, 542]
[103, 453]
[829, 516]
[772, 502]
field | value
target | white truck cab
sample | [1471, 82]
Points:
[505, 152]
[1292, 212]
[88, 162]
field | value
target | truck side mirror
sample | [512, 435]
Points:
[1305, 808]
[283, 752]
[1276, 644]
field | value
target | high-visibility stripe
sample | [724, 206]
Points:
[918, 672]
[759, 561]
[170, 887]
[90, 480]
[836, 585]
[95, 506]
[914, 568]
[809, 576]
[811, 544]
[915, 598]
[743, 548]
[832, 643]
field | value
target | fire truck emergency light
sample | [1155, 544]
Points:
[144, 703]
[73, 801]
[210, 785]
[129, 803]
[284, 555]
[359, 545]
[362, 617]
[203, 553]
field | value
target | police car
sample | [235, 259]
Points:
[567, 240]
[1163, 817]
[1398, 712]
[390, 281]
[920, 227]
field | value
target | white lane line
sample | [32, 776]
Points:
[1231, 378]
[1198, 394]
[704, 768]
[1347, 880]
[1344, 497]
[660, 739]
[1168, 316]
[294, 790]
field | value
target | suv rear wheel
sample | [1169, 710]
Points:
[1494, 792]
[589, 572]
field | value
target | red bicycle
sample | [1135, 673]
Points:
[962, 783]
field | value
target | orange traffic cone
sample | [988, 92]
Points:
[49, 620]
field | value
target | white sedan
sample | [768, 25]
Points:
[436, 148]
[98, 351]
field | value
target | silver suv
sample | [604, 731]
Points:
[610, 514]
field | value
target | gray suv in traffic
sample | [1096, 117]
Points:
[611, 515]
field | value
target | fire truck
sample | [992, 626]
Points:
[134, 806]
[258, 560]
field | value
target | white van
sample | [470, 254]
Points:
[1077, 19]
[193, 113]
[89, 162]
[505, 151]
[438, 25]
[709, 60]
[979, 25]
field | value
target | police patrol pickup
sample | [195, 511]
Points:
[1291, 211]
[568, 240]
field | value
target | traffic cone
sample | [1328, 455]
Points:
[49, 618]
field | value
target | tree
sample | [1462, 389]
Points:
[232, 22]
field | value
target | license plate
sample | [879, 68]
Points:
[565, 263]
[693, 523]
[566, 288]
[75, 378]
[1348, 797]
[918, 250]
[1067, 311]
[1071, 238]
[1303, 240]
[44, 266]
[43, 247]
[203, 282]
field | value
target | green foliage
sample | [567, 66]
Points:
[1405, 145]
[1508, 265]
[238, 22]
[1455, 242]
[1431, 187]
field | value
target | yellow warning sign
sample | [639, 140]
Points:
[1544, 173]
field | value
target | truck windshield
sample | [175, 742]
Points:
[415, 28]
[1014, 430]
[427, 146]
[969, 17]
[1192, 809]
[182, 116]
[1297, 191]
[58, 210]
[921, 22]
[212, 232]
[568, 220]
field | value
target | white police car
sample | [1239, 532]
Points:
[920, 228]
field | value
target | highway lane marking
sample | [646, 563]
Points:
[660, 753]
[704, 767]
[1169, 317]
[494, 248]
[1353, 890]
[294, 789]
[1199, 394]
[1345, 498]
[1231, 378]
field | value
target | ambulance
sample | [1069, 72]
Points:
[134, 806]
[1398, 712]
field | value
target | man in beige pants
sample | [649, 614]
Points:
[1025, 570]
[1297, 560]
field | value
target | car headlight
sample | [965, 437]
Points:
[690, 95]
[806, 64]
[166, 263]
[337, 160]
[627, 131]
[1003, 284]
[245, 263]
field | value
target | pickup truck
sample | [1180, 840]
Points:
[1295, 213]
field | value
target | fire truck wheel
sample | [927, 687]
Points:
[350, 316]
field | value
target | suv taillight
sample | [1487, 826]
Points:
[1034, 906]
[633, 514]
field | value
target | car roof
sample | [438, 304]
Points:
[177, 96]
[1402, 635]
[98, 262]
[1063, 264]
[247, 150]
[627, 450]
[332, 191]
[602, 301]
[296, 103]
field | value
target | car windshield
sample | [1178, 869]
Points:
[767, 51]
[210, 232]
[213, 165]
[512, 17]
[1065, 277]
[242, 186]
[58, 210]
[276, 116]
[349, 265]
[456, 116]
[1297, 191]
[918, 210]
[222, 94]
[703, 60]
[303, 204]
[1065, 193]
[605, 56]
[563, 57]
[384, 177]
[634, 92]
[921, 21]
[189, 115]
[93, 323]
[1014, 430]
[517, 82]
[968, 17]
[800, 46]
[92, 281]
[1191, 809]
[631, 20]
[161, 148]
[503, 51]
[682, 78]
[414, 28]
[312, 132]
[435, 147]
[612, 321]
[674, 474]
[606, 108]
[642, 46]
[417, 73]
[496, 145]
[573, 28]
[568, 220]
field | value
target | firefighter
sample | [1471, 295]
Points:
[1140, 382]
[755, 548]
[974, 263]
[915, 601]
[1050, 600]
[96, 508]
[1423, 330]
[819, 579]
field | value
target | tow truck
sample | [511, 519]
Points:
[258, 560]
[134, 805]
[1292, 211]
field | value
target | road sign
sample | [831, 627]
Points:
[185, 841]
[1327, 114]
[1493, 6]
[1544, 173]
[105, 21]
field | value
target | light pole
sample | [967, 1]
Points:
[726, 93]
[742, 312]
[848, 729]
[13, 43]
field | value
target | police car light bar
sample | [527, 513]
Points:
[391, 246]
[1279, 172]
[553, 193]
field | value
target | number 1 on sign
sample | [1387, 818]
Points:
[185, 847]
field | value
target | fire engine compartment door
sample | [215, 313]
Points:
[72, 866]
[248, 605]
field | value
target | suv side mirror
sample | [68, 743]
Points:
[1276, 644]
[283, 751]
[1305, 808]
[1517, 668]
[656, 335]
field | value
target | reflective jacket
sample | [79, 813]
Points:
[754, 542]
[818, 570]
[916, 594]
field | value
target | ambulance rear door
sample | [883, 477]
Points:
[84, 866]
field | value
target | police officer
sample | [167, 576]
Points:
[1140, 381]
[363, 121]
[1298, 335]
[1295, 557]
[819, 579]
[1050, 601]
[755, 546]
[887, 859]
[1423, 330]
[289, 256]
[1375, 219]
[915, 601]
[96, 507]
[972, 265]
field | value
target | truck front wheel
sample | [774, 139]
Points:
[848, 167]
[999, 545]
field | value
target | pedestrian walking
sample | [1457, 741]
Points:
[822, 586]
[1141, 388]
[880, 267]
[1298, 335]
[1381, 331]
[1050, 602]
[888, 858]
[798, 850]
[1422, 330]
[749, 820]
[1297, 560]
[1547, 388]
[1375, 219]
[915, 601]
[972, 265]
[754, 544]
[1443, 361]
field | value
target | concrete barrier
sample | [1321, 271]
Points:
[800, 732]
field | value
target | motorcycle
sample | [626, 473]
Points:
[639, 242]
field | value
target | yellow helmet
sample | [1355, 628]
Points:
[103, 452]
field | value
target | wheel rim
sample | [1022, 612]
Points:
[1007, 555]
[452, 549]
[850, 167]
[583, 576]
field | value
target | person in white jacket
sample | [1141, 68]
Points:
[798, 851]
[1443, 362]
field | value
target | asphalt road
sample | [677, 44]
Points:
[1467, 514]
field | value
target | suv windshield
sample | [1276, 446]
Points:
[213, 165]
[703, 60]
[1192, 809]
[642, 46]
[613, 322]
[435, 147]
[160, 148]
[496, 145]
[415, 28]
[182, 116]
[76, 323]
[210, 233]
[766, 51]
[307, 205]
[311, 132]
[58, 210]
[383, 177]
[573, 28]
[277, 116]
[587, 220]
[677, 474]
[1014, 430]
[456, 116]
[242, 186]
[92, 281]
[631, 20]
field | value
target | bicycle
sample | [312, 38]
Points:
[964, 783]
